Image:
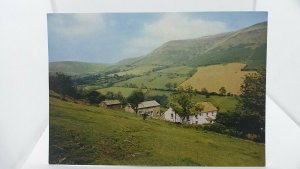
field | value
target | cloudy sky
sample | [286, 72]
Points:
[111, 37]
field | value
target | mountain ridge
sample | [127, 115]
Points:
[246, 45]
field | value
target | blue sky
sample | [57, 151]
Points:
[111, 37]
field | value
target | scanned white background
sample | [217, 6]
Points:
[24, 72]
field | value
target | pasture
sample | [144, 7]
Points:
[158, 80]
[125, 91]
[215, 76]
[81, 134]
[136, 71]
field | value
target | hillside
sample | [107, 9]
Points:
[81, 134]
[213, 77]
[75, 68]
[246, 45]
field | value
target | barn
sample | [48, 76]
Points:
[152, 108]
[112, 104]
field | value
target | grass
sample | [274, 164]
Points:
[76, 68]
[125, 91]
[183, 70]
[81, 134]
[216, 76]
[159, 79]
[225, 103]
[136, 71]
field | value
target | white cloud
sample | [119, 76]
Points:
[78, 24]
[171, 26]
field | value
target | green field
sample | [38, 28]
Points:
[77, 68]
[125, 91]
[136, 71]
[81, 134]
[159, 79]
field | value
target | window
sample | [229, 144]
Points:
[171, 116]
[188, 118]
[196, 116]
[196, 122]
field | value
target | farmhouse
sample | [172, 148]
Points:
[112, 104]
[152, 108]
[207, 115]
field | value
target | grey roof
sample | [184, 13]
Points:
[147, 104]
[111, 102]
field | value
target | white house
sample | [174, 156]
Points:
[207, 115]
[170, 115]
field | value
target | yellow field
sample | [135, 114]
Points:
[215, 76]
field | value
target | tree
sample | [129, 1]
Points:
[204, 91]
[95, 97]
[181, 102]
[62, 84]
[222, 91]
[251, 105]
[109, 95]
[198, 107]
[168, 85]
[161, 99]
[135, 98]
[253, 91]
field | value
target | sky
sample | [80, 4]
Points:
[111, 37]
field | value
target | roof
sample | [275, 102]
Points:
[147, 104]
[209, 119]
[208, 107]
[111, 102]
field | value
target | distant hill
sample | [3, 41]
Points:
[247, 45]
[74, 68]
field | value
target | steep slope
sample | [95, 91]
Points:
[74, 68]
[246, 45]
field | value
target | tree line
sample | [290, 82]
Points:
[65, 87]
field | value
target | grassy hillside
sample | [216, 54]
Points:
[215, 76]
[246, 45]
[75, 68]
[81, 134]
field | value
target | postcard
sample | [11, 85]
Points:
[157, 89]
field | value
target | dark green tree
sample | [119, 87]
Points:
[95, 97]
[136, 97]
[62, 84]
[181, 101]
[161, 99]
[169, 85]
[251, 104]
[253, 93]
[110, 95]
[222, 91]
